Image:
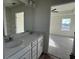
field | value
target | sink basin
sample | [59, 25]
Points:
[13, 43]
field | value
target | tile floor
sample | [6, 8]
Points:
[60, 46]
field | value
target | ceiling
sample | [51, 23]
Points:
[57, 2]
[64, 8]
[11, 3]
[17, 2]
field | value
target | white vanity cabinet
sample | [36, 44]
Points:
[32, 51]
[37, 48]
[40, 46]
[22, 53]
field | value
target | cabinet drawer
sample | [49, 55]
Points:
[20, 53]
[26, 55]
[34, 50]
[34, 43]
[34, 57]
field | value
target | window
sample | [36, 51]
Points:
[66, 24]
[19, 22]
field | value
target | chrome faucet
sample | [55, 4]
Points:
[8, 38]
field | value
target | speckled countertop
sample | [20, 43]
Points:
[26, 38]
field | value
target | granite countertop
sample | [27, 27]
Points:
[26, 38]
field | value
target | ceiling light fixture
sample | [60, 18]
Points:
[31, 3]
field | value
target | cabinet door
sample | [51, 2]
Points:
[34, 50]
[40, 47]
[20, 53]
[26, 56]
[34, 57]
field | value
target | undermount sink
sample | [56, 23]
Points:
[13, 43]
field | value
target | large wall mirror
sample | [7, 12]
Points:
[13, 20]
[18, 19]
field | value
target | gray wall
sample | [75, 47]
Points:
[29, 19]
[42, 19]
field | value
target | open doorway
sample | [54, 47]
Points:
[62, 28]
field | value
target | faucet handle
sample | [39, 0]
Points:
[10, 38]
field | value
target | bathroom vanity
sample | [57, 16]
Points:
[30, 48]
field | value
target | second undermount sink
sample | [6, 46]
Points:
[13, 43]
